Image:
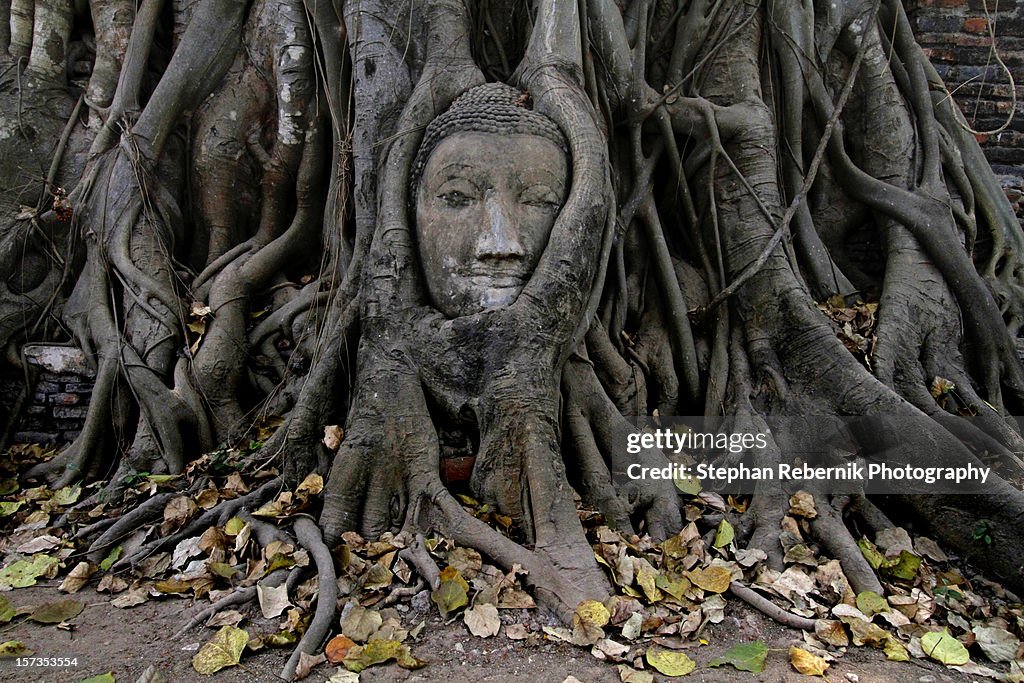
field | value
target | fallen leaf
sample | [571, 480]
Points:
[944, 648]
[67, 496]
[13, 648]
[56, 612]
[724, 535]
[628, 674]
[378, 652]
[39, 544]
[608, 648]
[337, 648]
[864, 632]
[23, 573]
[670, 662]
[131, 598]
[632, 626]
[831, 632]
[744, 657]
[516, 632]
[343, 676]
[930, 549]
[234, 526]
[361, 623]
[588, 621]
[713, 579]
[801, 504]
[894, 651]
[228, 617]
[177, 511]
[647, 577]
[332, 437]
[111, 583]
[273, 600]
[807, 663]
[77, 577]
[467, 561]
[451, 592]
[998, 644]
[482, 620]
[904, 567]
[8, 508]
[223, 650]
[871, 603]
[7, 610]
[102, 678]
[312, 485]
[974, 669]
[111, 558]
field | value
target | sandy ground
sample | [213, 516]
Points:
[126, 642]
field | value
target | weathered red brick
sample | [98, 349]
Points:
[976, 24]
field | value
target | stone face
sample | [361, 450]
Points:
[485, 208]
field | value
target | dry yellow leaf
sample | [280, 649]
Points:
[807, 663]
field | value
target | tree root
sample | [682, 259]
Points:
[769, 608]
[309, 537]
[216, 516]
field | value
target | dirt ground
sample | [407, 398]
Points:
[126, 642]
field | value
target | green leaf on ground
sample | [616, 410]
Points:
[451, 593]
[944, 648]
[102, 678]
[110, 559]
[8, 508]
[13, 648]
[67, 496]
[871, 603]
[724, 535]
[24, 573]
[378, 652]
[904, 567]
[870, 553]
[744, 657]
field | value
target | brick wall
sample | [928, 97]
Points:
[955, 34]
[54, 409]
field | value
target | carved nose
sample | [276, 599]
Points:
[500, 238]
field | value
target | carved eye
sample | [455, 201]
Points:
[456, 199]
[540, 197]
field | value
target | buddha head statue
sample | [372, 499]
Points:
[488, 181]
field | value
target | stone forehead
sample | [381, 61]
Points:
[489, 108]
